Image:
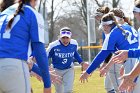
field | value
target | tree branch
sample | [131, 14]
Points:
[98, 3]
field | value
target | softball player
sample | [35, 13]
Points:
[20, 27]
[111, 81]
[129, 78]
[136, 12]
[122, 20]
[117, 38]
[62, 52]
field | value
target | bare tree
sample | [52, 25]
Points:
[39, 5]
[84, 10]
[51, 28]
[53, 18]
[75, 22]
[81, 6]
[115, 3]
[100, 5]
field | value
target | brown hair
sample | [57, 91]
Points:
[110, 16]
[6, 3]
[127, 20]
[119, 13]
[17, 12]
[103, 10]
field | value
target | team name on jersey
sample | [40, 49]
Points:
[64, 55]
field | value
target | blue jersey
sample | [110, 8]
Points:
[27, 27]
[63, 56]
[25, 34]
[115, 40]
[135, 53]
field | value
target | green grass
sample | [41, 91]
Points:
[94, 85]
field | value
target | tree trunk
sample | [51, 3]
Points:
[52, 23]
[115, 3]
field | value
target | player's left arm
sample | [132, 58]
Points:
[84, 65]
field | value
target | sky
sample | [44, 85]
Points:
[127, 6]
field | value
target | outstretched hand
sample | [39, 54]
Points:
[127, 83]
[84, 77]
[30, 62]
[36, 76]
[103, 71]
[121, 56]
[55, 78]
[85, 65]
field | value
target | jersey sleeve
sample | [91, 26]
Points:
[77, 57]
[101, 56]
[36, 69]
[37, 28]
[36, 33]
[76, 54]
[134, 53]
[42, 61]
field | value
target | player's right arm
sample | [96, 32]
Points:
[108, 47]
[102, 55]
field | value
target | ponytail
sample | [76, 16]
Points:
[123, 31]
[17, 12]
[127, 20]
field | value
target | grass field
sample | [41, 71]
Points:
[94, 85]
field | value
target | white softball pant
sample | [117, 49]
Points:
[114, 74]
[14, 76]
[67, 80]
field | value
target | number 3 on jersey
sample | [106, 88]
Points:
[64, 61]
